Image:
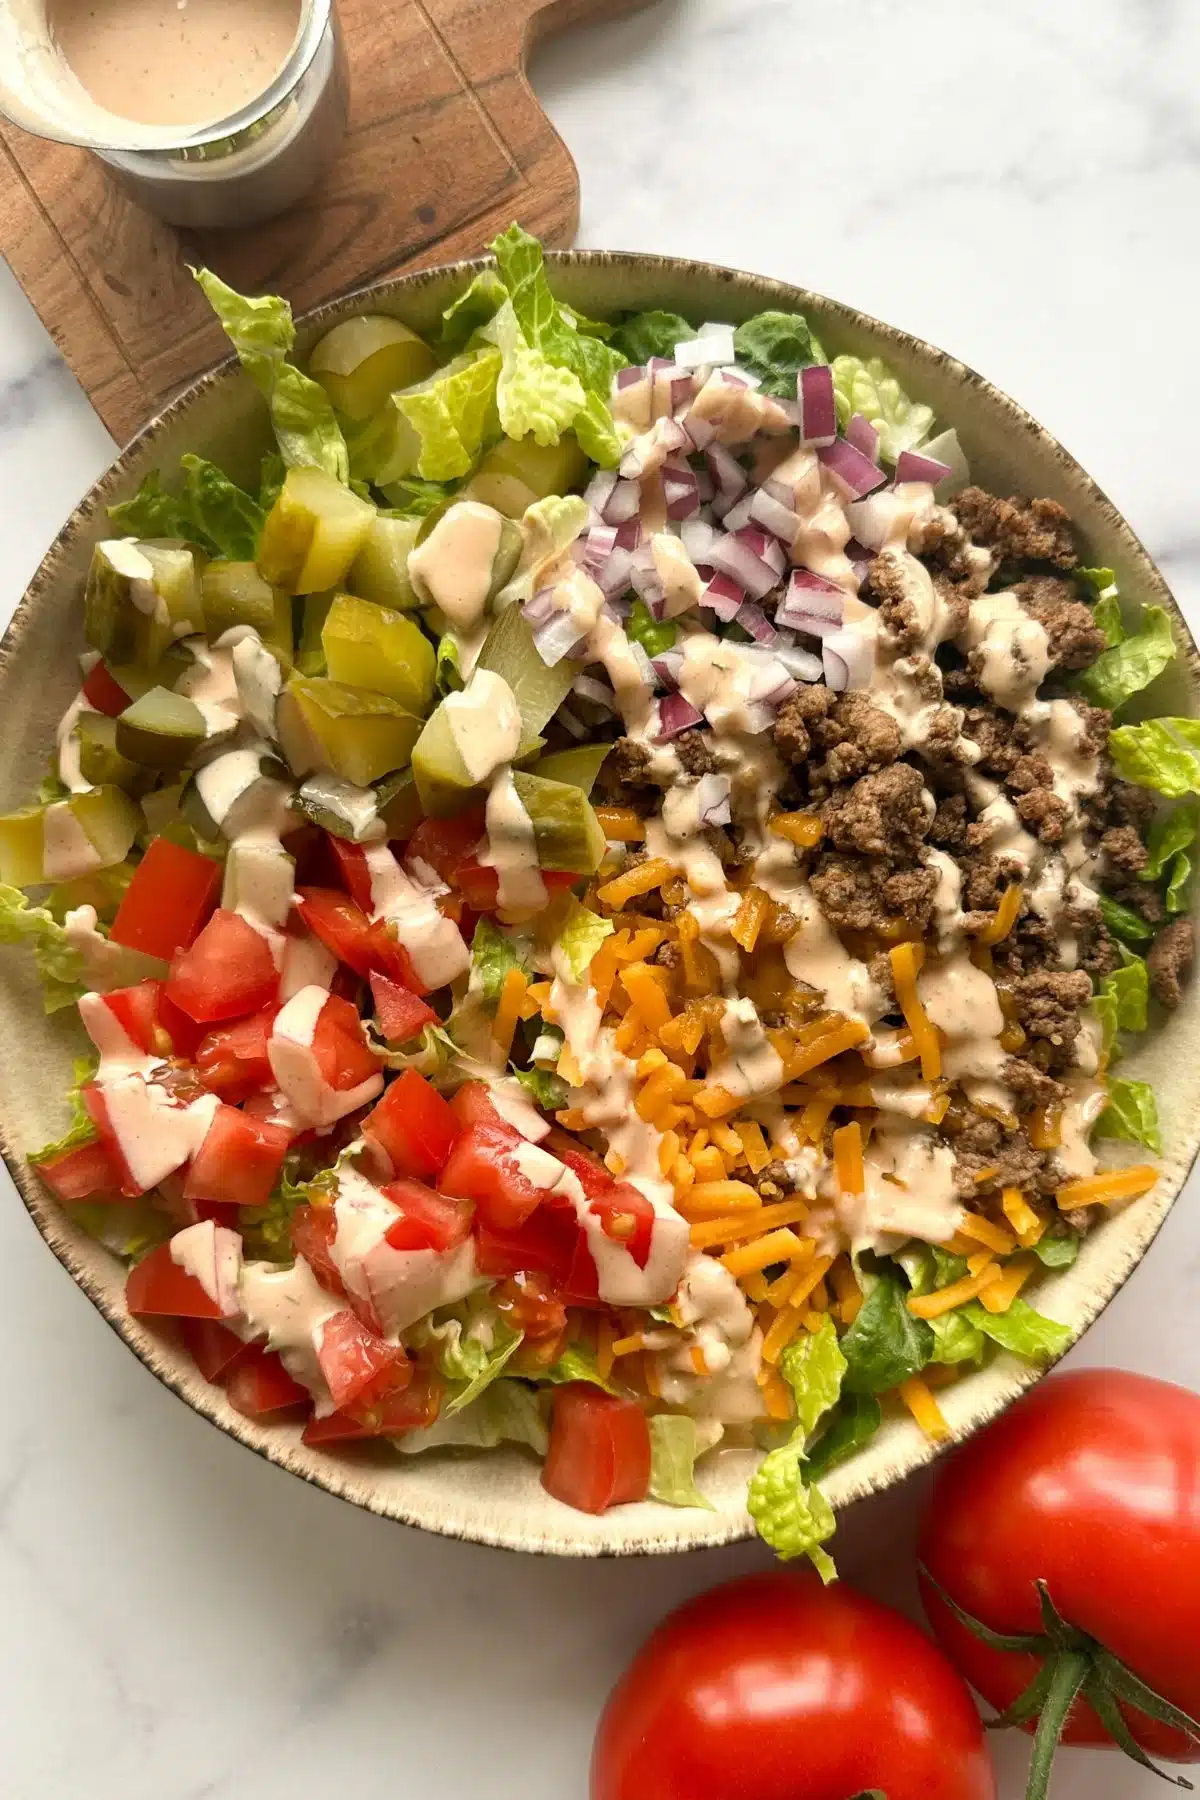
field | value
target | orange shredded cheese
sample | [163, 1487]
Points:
[1004, 918]
[848, 1158]
[750, 919]
[924, 1408]
[621, 825]
[1018, 1212]
[944, 1300]
[815, 1116]
[1104, 1189]
[754, 1145]
[1045, 1127]
[716, 1102]
[777, 1396]
[780, 1333]
[665, 1086]
[720, 1198]
[904, 979]
[643, 878]
[629, 1346]
[843, 1036]
[668, 1150]
[735, 1227]
[508, 1011]
[605, 1340]
[776, 1246]
[802, 829]
[999, 1295]
[984, 1232]
[709, 1164]
[755, 1286]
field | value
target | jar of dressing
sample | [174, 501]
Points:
[210, 112]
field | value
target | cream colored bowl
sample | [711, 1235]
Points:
[496, 1498]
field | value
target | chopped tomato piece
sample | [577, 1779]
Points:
[427, 1221]
[414, 1125]
[260, 1385]
[313, 1231]
[97, 1110]
[101, 690]
[232, 1060]
[343, 1055]
[473, 1105]
[88, 1173]
[444, 843]
[343, 927]
[359, 1366]
[185, 1034]
[309, 845]
[482, 1166]
[239, 1161]
[399, 1014]
[136, 1012]
[412, 1407]
[227, 973]
[214, 1348]
[158, 1287]
[172, 893]
[599, 1453]
[531, 1305]
[351, 860]
[545, 1242]
[269, 1106]
[478, 884]
[625, 1214]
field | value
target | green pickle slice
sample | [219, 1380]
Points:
[357, 734]
[234, 593]
[364, 359]
[370, 646]
[565, 828]
[161, 730]
[313, 532]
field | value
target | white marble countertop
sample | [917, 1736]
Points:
[1016, 182]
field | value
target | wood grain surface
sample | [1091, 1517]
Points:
[446, 145]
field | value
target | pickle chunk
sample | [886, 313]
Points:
[373, 647]
[234, 593]
[313, 532]
[364, 359]
[140, 596]
[101, 763]
[380, 570]
[21, 835]
[356, 734]
[464, 561]
[161, 730]
[471, 734]
[515, 473]
[566, 830]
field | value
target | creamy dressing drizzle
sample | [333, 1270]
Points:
[454, 566]
[485, 723]
[434, 943]
[512, 848]
[295, 1068]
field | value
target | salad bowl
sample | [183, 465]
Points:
[498, 1499]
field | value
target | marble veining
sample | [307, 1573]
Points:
[1016, 182]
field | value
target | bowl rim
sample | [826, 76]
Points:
[335, 1475]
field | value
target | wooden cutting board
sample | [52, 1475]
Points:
[447, 144]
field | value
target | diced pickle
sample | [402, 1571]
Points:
[364, 359]
[399, 803]
[260, 880]
[370, 646]
[21, 835]
[357, 734]
[339, 807]
[110, 819]
[514, 473]
[235, 593]
[565, 828]
[309, 615]
[443, 781]
[161, 730]
[212, 801]
[578, 766]
[313, 532]
[102, 889]
[100, 762]
[380, 570]
[456, 551]
[509, 651]
[137, 679]
[140, 596]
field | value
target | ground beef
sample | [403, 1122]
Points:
[1048, 1003]
[891, 583]
[798, 722]
[981, 1143]
[867, 740]
[1128, 804]
[770, 1183]
[943, 745]
[1124, 849]
[694, 750]
[847, 891]
[1030, 1085]
[1097, 948]
[1032, 945]
[1019, 530]
[1075, 638]
[880, 970]
[1046, 813]
[1097, 721]
[668, 955]
[885, 814]
[943, 544]
[984, 879]
[993, 732]
[909, 895]
[949, 828]
[624, 777]
[1170, 961]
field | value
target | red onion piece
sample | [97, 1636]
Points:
[733, 556]
[540, 608]
[629, 533]
[800, 663]
[859, 558]
[912, 466]
[612, 578]
[697, 539]
[811, 604]
[818, 409]
[712, 799]
[650, 449]
[753, 619]
[856, 472]
[849, 660]
[873, 521]
[737, 516]
[597, 546]
[727, 472]
[556, 637]
[773, 516]
[765, 548]
[598, 491]
[706, 487]
[667, 668]
[681, 491]
[630, 377]
[712, 345]
[862, 434]
[644, 578]
[700, 431]
[565, 717]
[644, 665]
[723, 596]
[622, 503]
[597, 692]
[675, 714]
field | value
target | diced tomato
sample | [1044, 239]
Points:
[412, 1407]
[358, 1365]
[232, 1060]
[625, 1214]
[528, 1300]
[545, 1242]
[172, 893]
[260, 1385]
[313, 1231]
[227, 973]
[399, 1014]
[342, 1053]
[185, 1034]
[239, 1161]
[599, 1453]
[88, 1173]
[351, 860]
[158, 1287]
[136, 1012]
[214, 1348]
[103, 692]
[309, 845]
[428, 1221]
[269, 1106]
[414, 1125]
[478, 883]
[473, 1105]
[444, 843]
[97, 1111]
[482, 1167]
[343, 927]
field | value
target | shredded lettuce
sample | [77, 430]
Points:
[1131, 1114]
[493, 954]
[261, 331]
[646, 334]
[504, 1343]
[792, 1516]
[535, 397]
[1123, 922]
[955, 1339]
[81, 1130]
[575, 1364]
[59, 964]
[271, 475]
[886, 1344]
[1173, 832]
[581, 936]
[1127, 667]
[870, 389]
[267, 1230]
[434, 430]
[412, 498]
[505, 1412]
[472, 310]
[1020, 1329]
[211, 511]
[1102, 588]
[435, 1052]
[1175, 896]
[1160, 753]
[674, 1447]
[855, 1420]
[1129, 989]
[130, 1230]
[544, 1087]
[1057, 1252]
[775, 346]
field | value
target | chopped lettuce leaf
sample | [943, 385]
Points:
[885, 1344]
[81, 1130]
[955, 1339]
[493, 954]
[1160, 753]
[794, 1518]
[647, 334]
[59, 964]
[870, 389]
[673, 1452]
[575, 1364]
[436, 1051]
[51, 788]
[775, 346]
[1056, 1252]
[548, 527]
[451, 415]
[472, 310]
[271, 476]
[1124, 670]
[261, 331]
[504, 1343]
[224, 518]
[535, 397]
[1099, 581]
[1173, 832]
[447, 676]
[597, 328]
[1021, 1329]
[855, 1421]
[267, 1230]
[130, 1230]
[151, 512]
[506, 1412]
[1123, 922]
[1175, 897]
[948, 1267]
[1131, 1114]
[544, 1087]
[1101, 585]
[581, 936]
[1130, 988]
[413, 498]
[813, 1367]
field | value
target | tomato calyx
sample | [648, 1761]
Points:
[1073, 1665]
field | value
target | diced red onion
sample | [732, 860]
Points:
[645, 580]
[723, 596]
[862, 434]
[673, 386]
[742, 377]
[598, 491]
[630, 377]
[727, 472]
[597, 692]
[712, 345]
[800, 663]
[613, 577]
[818, 409]
[849, 660]
[701, 431]
[650, 449]
[706, 487]
[734, 557]
[859, 558]
[697, 539]
[575, 726]
[667, 668]
[856, 472]
[811, 604]
[873, 521]
[617, 609]
[557, 637]
[753, 619]
[675, 714]
[912, 466]
[773, 516]
[712, 799]
[540, 608]
[945, 448]
[622, 503]
[645, 667]
[629, 533]
[737, 516]
[757, 718]
[597, 546]
[765, 548]
[681, 491]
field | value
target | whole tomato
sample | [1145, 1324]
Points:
[777, 1688]
[1090, 1486]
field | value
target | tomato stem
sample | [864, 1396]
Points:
[1070, 1671]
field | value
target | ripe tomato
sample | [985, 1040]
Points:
[776, 1688]
[1090, 1484]
[599, 1454]
[427, 1221]
[403, 1409]
[399, 1014]
[172, 893]
[239, 1161]
[359, 1366]
[259, 1385]
[233, 1060]
[104, 692]
[226, 973]
[483, 1167]
[414, 1125]
[88, 1173]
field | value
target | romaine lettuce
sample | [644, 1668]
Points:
[869, 388]
[493, 954]
[1124, 670]
[505, 1412]
[673, 1451]
[580, 937]
[1132, 1114]
[1056, 1252]
[59, 964]
[81, 1129]
[472, 310]
[855, 1421]
[646, 334]
[575, 1364]
[1160, 753]
[775, 346]
[544, 1087]
[1020, 1329]
[794, 1518]
[1101, 586]
[1123, 922]
[885, 1344]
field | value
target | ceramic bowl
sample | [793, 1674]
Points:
[496, 1498]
